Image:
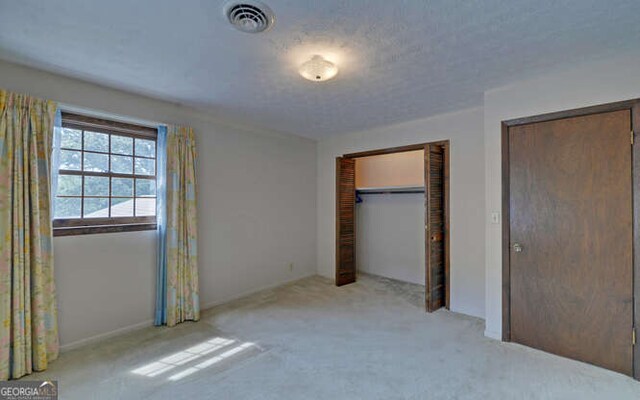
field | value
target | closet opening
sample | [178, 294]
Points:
[392, 217]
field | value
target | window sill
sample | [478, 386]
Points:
[89, 230]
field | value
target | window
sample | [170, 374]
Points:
[106, 177]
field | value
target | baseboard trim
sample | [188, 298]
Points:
[229, 299]
[107, 335]
[147, 323]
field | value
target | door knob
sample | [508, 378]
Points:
[517, 247]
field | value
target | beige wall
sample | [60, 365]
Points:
[474, 175]
[585, 85]
[250, 232]
[390, 236]
[397, 169]
[390, 227]
[465, 131]
[257, 215]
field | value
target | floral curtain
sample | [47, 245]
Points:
[178, 298]
[28, 311]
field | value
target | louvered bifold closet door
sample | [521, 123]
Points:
[435, 226]
[345, 221]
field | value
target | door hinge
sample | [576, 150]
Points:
[633, 336]
[631, 137]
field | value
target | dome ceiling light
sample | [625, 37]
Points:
[317, 69]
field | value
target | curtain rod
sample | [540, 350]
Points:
[101, 114]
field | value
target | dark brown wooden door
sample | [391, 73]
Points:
[571, 238]
[345, 221]
[435, 226]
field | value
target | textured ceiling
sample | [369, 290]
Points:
[399, 60]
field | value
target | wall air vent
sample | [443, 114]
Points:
[249, 16]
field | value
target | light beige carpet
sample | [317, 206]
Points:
[311, 340]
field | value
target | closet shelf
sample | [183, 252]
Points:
[390, 189]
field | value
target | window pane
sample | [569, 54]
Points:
[122, 187]
[145, 166]
[96, 186]
[122, 164]
[145, 148]
[145, 207]
[96, 162]
[67, 207]
[69, 185]
[121, 207]
[145, 187]
[95, 141]
[71, 138]
[121, 144]
[70, 160]
[96, 207]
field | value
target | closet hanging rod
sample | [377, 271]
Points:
[391, 190]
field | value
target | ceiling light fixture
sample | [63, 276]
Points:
[318, 69]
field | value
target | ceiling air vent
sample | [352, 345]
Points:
[249, 16]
